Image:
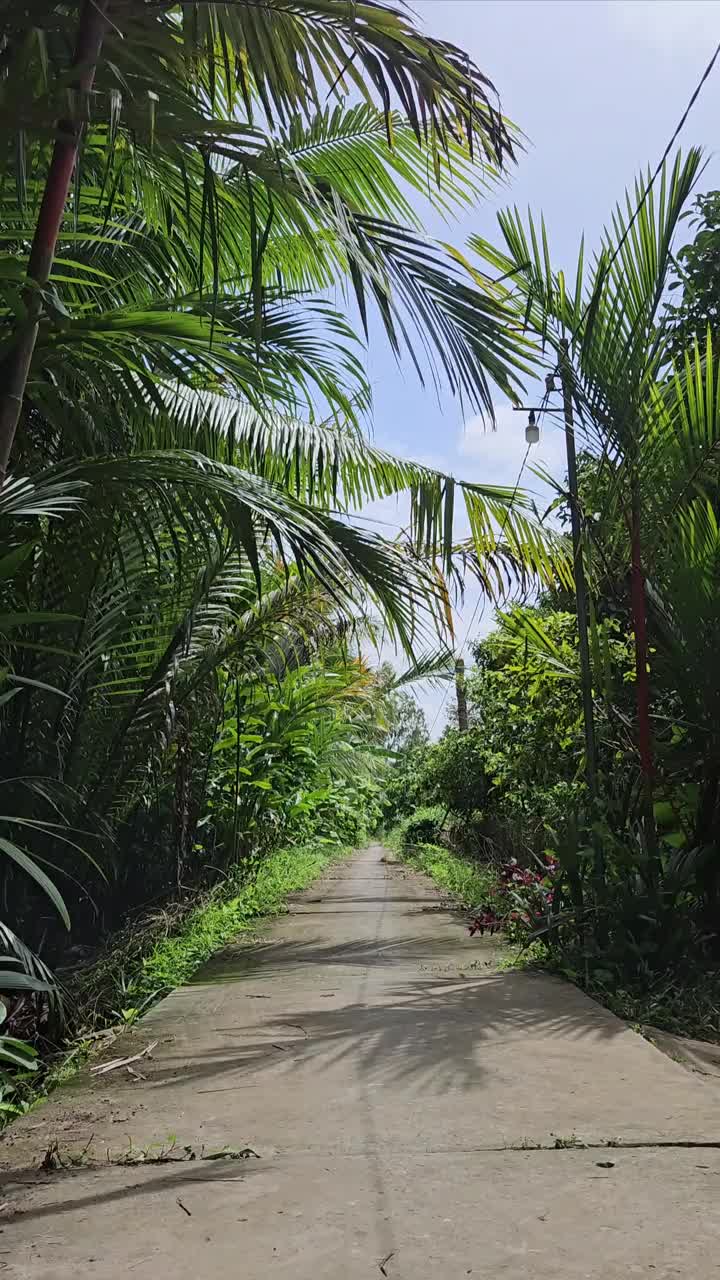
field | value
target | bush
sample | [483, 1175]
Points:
[422, 827]
[454, 771]
[519, 902]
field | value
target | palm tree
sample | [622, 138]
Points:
[183, 405]
[167, 97]
[213, 289]
[653, 429]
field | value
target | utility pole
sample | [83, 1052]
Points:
[581, 602]
[460, 692]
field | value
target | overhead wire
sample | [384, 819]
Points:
[648, 188]
[574, 332]
[638, 210]
[577, 391]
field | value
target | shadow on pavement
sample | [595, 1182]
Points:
[431, 1033]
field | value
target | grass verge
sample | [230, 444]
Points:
[468, 881]
[685, 1005]
[156, 953]
[227, 911]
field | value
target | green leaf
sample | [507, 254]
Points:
[19, 1054]
[10, 563]
[36, 873]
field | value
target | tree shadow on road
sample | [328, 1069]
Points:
[433, 1032]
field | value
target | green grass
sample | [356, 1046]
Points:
[226, 912]
[146, 961]
[534, 956]
[468, 881]
[686, 1004]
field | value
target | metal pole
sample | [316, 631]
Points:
[579, 574]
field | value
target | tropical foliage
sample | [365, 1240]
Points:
[637, 854]
[205, 211]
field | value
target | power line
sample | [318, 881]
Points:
[573, 333]
[618, 248]
[658, 169]
[693, 99]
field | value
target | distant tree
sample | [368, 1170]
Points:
[406, 726]
[408, 729]
[697, 274]
[455, 771]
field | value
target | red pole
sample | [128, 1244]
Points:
[638, 607]
[639, 619]
[91, 31]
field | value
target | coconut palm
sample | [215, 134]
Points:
[183, 405]
[652, 426]
[169, 97]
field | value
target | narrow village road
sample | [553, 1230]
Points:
[405, 1111]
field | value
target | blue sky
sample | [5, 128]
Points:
[598, 87]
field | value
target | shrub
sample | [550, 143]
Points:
[520, 900]
[454, 771]
[422, 827]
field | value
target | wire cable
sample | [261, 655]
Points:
[658, 169]
[573, 333]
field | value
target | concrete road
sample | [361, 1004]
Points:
[414, 1115]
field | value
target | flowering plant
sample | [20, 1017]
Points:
[520, 901]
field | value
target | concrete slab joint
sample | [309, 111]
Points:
[362, 1094]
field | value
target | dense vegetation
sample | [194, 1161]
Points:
[206, 210]
[615, 871]
[189, 610]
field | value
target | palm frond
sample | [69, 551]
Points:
[436, 666]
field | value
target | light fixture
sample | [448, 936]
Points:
[532, 430]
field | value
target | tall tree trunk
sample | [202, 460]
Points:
[16, 367]
[581, 605]
[461, 695]
[706, 834]
[706, 819]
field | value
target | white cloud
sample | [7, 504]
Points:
[388, 516]
[491, 457]
[385, 516]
